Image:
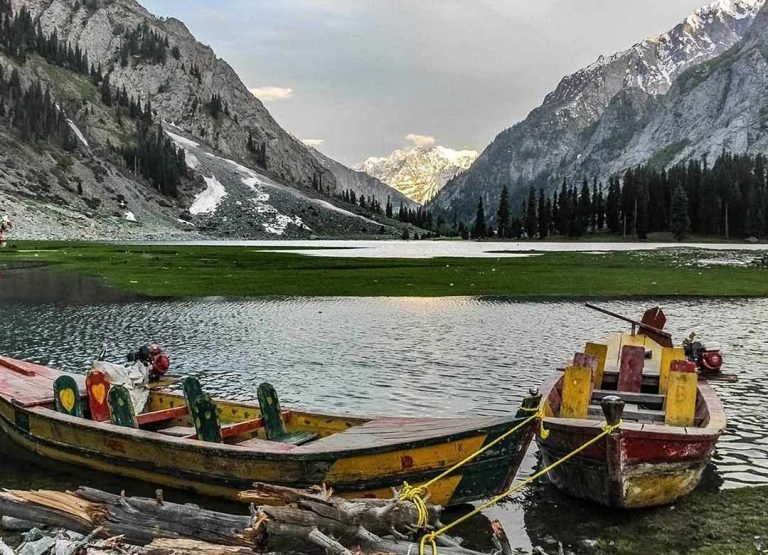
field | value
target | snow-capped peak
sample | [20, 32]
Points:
[420, 171]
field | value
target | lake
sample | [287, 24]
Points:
[395, 356]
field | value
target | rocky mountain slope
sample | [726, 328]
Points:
[363, 184]
[195, 96]
[421, 171]
[586, 125]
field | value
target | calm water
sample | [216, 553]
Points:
[464, 249]
[401, 356]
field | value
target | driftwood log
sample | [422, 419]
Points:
[281, 520]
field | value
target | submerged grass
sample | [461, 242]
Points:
[195, 271]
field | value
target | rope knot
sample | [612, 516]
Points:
[416, 496]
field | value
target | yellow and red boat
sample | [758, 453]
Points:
[363, 457]
[671, 418]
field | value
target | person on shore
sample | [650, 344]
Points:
[5, 227]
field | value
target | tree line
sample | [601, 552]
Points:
[728, 198]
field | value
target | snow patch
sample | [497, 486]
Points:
[183, 142]
[192, 161]
[78, 133]
[208, 201]
[255, 182]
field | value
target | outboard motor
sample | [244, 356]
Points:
[707, 356]
[153, 357]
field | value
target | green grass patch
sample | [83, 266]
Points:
[732, 521]
[196, 271]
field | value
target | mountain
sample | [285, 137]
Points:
[112, 173]
[362, 183]
[585, 126]
[421, 171]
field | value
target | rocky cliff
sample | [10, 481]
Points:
[588, 125]
[196, 96]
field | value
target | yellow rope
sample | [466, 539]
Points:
[416, 494]
[431, 537]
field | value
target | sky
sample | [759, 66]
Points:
[356, 77]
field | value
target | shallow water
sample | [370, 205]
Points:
[402, 356]
[464, 249]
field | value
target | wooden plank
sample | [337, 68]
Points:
[161, 415]
[178, 431]
[241, 428]
[631, 368]
[637, 398]
[681, 394]
[668, 354]
[25, 369]
[264, 445]
[577, 391]
[631, 414]
[600, 352]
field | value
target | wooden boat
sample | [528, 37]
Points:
[363, 457]
[652, 459]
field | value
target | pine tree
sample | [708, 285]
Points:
[480, 230]
[531, 218]
[679, 216]
[543, 215]
[502, 214]
[584, 210]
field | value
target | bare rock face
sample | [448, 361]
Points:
[249, 178]
[176, 94]
[587, 126]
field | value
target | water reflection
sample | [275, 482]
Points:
[439, 357]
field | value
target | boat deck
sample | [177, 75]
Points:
[384, 432]
[28, 384]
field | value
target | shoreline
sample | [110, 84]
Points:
[192, 271]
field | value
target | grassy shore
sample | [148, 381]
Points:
[731, 521]
[195, 271]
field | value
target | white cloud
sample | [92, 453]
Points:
[424, 141]
[270, 94]
[313, 142]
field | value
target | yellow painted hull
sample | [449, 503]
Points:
[223, 470]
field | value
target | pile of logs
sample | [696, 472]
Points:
[281, 520]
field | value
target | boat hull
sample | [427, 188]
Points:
[223, 470]
[624, 470]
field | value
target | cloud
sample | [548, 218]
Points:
[424, 141]
[313, 142]
[270, 94]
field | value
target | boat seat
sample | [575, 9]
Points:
[66, 396]
[97, 386]
[274, 423]
[634, 398]
[121, 407]
[631, 412]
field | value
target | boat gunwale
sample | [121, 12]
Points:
[486, 426]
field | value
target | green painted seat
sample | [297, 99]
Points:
[66, 396]
[206, 419]
[273, 418]
[121, 407]
[192, 391]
